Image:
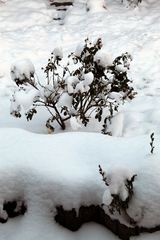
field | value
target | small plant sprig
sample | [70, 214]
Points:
[118, 204]
[152, 142]
[104, 178]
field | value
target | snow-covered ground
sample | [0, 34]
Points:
[28, 31]
[65, 166]
[48, 171]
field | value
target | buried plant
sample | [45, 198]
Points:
[119, 190]
[82, 86]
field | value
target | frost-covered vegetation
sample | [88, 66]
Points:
[42, 174]
[119, 189]
[88, 85]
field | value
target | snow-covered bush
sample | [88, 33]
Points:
[89, 85]
[119, 189]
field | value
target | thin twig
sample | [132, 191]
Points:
[104, 178]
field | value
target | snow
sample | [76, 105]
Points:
[103, 59]
[25, 99]
[72, 82]
[44, 169]
[23, 173]
[96, 6]
[74, 85]
[47, 91]
[77, 182]
[65, 100]
[79, 49]
[65, 166]
[22, 69]
[116, 180]
[75, 124]
[88, 79]
[57, 52]
[116, 126]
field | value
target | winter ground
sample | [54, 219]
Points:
[27, 30]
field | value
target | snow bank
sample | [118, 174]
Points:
[65, 169]
[28, 31]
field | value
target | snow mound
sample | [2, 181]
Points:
[69, 176]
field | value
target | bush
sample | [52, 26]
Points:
[85, 86]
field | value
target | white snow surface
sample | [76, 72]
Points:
[29, 32]
[63, 169]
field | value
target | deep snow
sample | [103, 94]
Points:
[48, 170]
[28, 160]
[33, 34]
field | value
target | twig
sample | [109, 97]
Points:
[104, 178]
[152, 142]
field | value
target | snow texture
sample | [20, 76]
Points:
[65, 167]
[78, 176]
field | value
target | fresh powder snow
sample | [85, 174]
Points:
[62, 169]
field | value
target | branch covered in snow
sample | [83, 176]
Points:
[119, 189]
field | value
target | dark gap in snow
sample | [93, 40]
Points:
[57, 19]
[73, 221]
[13, 209]
[59, 4]
[61, 7]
